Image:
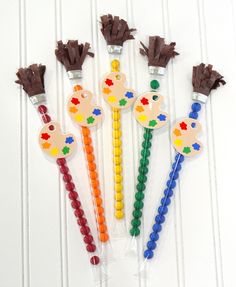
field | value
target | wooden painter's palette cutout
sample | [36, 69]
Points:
[148, 113]
[115, 93]
[81, 111]
[184, 137]
[54, 143]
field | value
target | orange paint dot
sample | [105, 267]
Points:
[77, 88]
[73, 110]
[177, 132]
[139, 109]
[46, 145]
[106, 91]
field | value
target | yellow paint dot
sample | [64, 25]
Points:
[79, 118]
[178, 142]
[111, 99]
[73, 110]
[54, 151]
[142, 118]
[46, 145]
[106, 91]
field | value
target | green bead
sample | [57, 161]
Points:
[142, 178]
[134, 231]
[143, 169]
[144, 161]
[154, 84]
[140, 186]
[137, 213]
[135, 222]
[146, 144]
[139, 195]
[147, 135]
[138, 204]
[145, 153]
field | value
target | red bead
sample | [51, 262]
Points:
[70, 186]
[79, 212]
[91, 247]
[67, 177]
[64, 169]
[61, 161]
[42, 109]
[85, 230]
[73, 195]
[75, 204]
[94, 260]
[46, 118]
[88, 239]
[82, 221]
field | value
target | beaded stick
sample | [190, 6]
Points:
[84, 114]
[148, 113]
[52, 142]
[183, 136]
[116, 31]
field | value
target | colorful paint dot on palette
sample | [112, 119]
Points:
[54, 143]
[184, 137]
[147, 111]
[115, 93]
[82, 111]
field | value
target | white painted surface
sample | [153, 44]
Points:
[40, 244]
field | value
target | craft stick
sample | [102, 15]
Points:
[184, 139]
[83, 113]
[50, 139]
[116, 31]
[148, 113]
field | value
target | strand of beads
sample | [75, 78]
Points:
[168, 192]
[142, 178]
[94, 181]
[117, 153]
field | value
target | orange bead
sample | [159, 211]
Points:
[85, 131]
[96, 192]
[93, 175]
[102, 228]
[101, 219]
[98, 201]
[100, 210]
[104, 237]
[90, 157]
[87, 140]
[77, 88]
[88, 149]
[91, 166]
[95, 184]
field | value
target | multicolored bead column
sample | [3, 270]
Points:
[117, 153]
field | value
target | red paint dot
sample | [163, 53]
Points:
[144, 101]
[109, 82]
[75, 101]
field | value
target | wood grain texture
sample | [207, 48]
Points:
[40, 241]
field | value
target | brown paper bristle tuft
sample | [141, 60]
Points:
[158, 53]
[72, 54]
[205, 79]
[32, 79]
[115, 30]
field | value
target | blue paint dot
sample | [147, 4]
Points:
[69, 140]
[97, 112]
[196, 146]
[129, 95]
[193, 125]
[161, 117]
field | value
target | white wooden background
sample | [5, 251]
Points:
[40, 244]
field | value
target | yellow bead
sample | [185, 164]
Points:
[117, 151]
[116, 116]
[116, 125]
[118, 178]
[119, 205]
[116, 134]
[118, 169]
[118, 187]
[117, 160]
[118, 196]
[119, 214]
[115, 65]
[116, 143]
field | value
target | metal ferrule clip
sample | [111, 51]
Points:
[38, 99]
[75, 74]
[154, 70]
[198, 97]
[114, 49]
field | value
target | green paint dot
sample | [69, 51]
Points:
[123, 102]
[152, 123]
[154, 84]
[90, 120]
[65, 150]
[186, 150]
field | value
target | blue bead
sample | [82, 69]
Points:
[171, 184]
[162, 210]
[160, 218]
[154, 236]
[193, 115]
[148, 254]
[156, 227]
[168, 192]
[176, 168]
[196, 107]
[179, 157]
[176, 175]
[165, 201]
[151, 245]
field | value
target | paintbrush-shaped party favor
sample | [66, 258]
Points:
[57, 145]
[184, 139]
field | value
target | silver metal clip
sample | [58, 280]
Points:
[38, 99]
[75, 74]
[114, 49]
[153, 70]
[198, 97]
